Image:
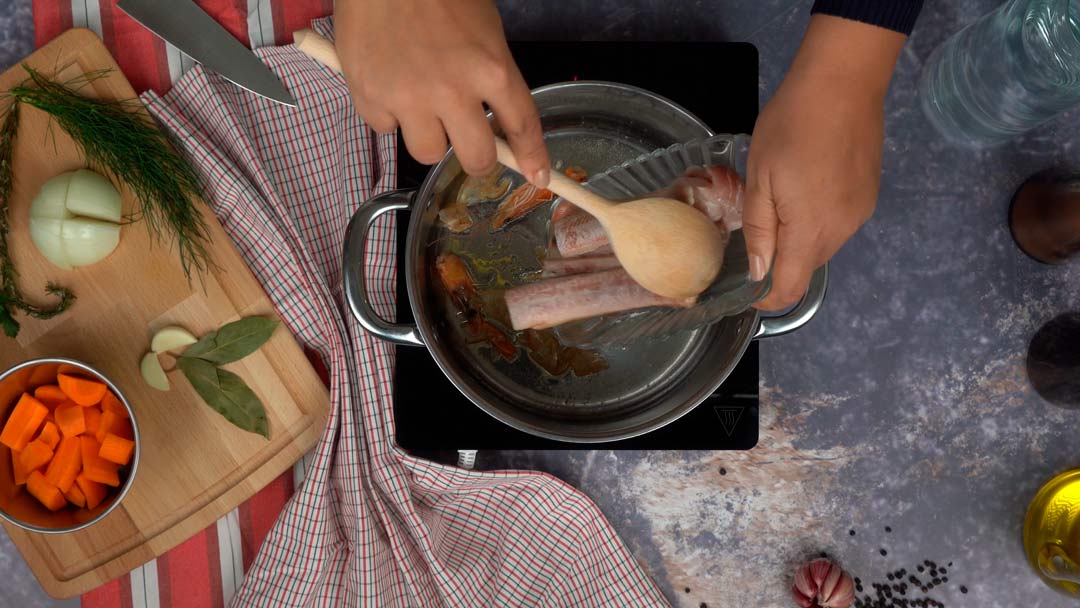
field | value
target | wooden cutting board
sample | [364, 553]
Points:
[195, 466]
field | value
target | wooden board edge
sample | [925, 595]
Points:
[182, 530]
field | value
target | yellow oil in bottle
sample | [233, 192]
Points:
[1052, 533]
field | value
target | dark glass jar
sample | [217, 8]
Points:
[1044, 217]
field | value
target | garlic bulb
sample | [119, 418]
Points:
[822, 584]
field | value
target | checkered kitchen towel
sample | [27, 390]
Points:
[370, 525]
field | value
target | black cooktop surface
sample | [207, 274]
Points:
[718, 82]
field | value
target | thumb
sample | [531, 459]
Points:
[759, 226]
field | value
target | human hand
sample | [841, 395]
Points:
[428, 66]
[815, 156]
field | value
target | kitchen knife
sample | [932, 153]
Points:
[184, 25]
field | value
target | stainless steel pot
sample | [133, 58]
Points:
[595, 125]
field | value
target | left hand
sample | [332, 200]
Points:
[815, 157]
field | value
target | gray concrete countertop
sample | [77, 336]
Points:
[904, 404]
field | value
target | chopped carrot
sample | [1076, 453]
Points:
[110, 403]
[49, 435]
[50, 395]
[17, 471]
[70, 420]
[92, 490]
[48, 494]
[23, 423]
[65, 464]
[83, 391]
[35, 455]
[108, 419]
[96, 468]
[116, 449]
[123, 428]
[75, 496]
[93, 419]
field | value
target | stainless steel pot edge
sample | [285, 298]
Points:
[134, 460]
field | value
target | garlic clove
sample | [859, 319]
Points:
[153, 373]
[171, 338]
[822, 584]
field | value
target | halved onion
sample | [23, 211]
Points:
[74, 219]
[91, 195]
[45, 233]
[51, 201]
[88, 241]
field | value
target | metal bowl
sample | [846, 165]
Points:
[16, 504]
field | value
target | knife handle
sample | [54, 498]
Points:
[318, 48]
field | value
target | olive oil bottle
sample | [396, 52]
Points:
[1052, 533]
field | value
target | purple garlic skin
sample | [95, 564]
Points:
[822, 584]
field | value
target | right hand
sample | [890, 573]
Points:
[428, 66]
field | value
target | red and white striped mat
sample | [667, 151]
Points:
[370, 525]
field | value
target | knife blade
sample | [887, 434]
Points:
[184, 25]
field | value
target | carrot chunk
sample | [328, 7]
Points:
[108, 419]
[50, 395]
[18, 473]
[83, 391]
[93, 420]
[93, 491]
[111, 403]
[123, 428]
[96, 468]
[116, 449]
[35, 455]
[49, 435]
[23, 423]
[65, 464]
[46, 493]
[75, 496]
[70, 420]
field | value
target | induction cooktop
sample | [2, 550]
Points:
[718, 82]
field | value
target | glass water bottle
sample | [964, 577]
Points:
[1006, 73]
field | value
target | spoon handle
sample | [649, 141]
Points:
[560, 184]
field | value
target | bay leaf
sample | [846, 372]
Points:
[227, 394]
[234, 341]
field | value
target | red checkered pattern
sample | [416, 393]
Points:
[370, 525]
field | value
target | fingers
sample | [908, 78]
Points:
[513, 107]
[376, 117]
[424, 137]
[796, 259]
[471, 136]
[760, 224]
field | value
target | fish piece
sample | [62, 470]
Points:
[455, 216]
[557, 267]
[482, 331]
[578, 234]
[551, 302]
[565, 207]
[483, 189]
[545, 350]
[716, 191]
[458, 282]
[521, 201]
[577, 174]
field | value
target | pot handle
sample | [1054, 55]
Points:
[354, 275]
[770, 327]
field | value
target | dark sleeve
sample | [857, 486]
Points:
[896, 15]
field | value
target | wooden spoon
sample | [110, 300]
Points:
[667, 246]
